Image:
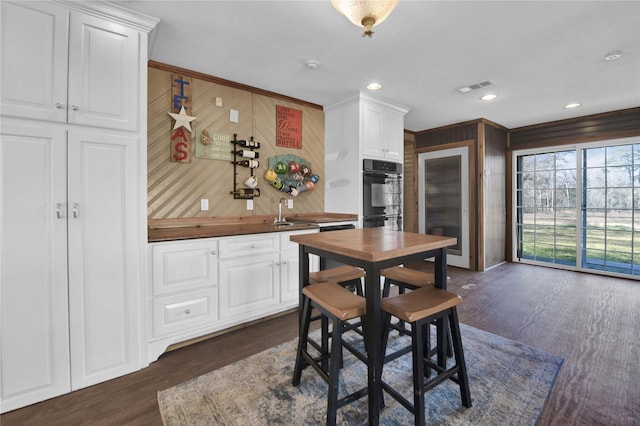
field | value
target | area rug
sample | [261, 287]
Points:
[509, 384]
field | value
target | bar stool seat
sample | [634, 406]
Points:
[345, 275]
[339, 274]
[420, 308]
[340, 306]
[406, 278]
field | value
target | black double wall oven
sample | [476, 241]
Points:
[382, 194]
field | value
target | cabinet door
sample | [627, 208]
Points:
[290, 266]
[104, 257]
[374, 144]
[249, 286]
[33, 51]
[33, 266]
[104, 75]
[394, 136]
[289, 280]
[184, 266]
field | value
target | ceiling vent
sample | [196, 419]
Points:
[476, 86]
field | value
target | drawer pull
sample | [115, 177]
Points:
[252, 246]
[187, 311]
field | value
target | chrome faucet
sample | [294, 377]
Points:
[280, 219]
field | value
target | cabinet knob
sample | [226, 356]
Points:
[284, 262]
[76, 210]
[252, 246]
[187, 311]
[213, 252]
[75, 107]
[59, 105]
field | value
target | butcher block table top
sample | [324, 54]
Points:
[373, 244]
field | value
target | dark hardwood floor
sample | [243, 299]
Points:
[592, 321]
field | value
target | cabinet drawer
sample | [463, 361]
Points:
[249, 245]
[182, 312]
[286, 244]
[184, 266]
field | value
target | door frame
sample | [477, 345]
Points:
[464, 259]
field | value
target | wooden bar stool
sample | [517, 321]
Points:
[347, 276]
[419, 308]
[340, 306]
[412, 279]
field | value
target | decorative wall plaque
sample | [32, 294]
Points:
[288, 127]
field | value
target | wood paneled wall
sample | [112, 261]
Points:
[590, 128]
[495, 186]
[486, 193]
[410, 189]
[174, 189]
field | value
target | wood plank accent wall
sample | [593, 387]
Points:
[495, 208]
[174, 190]
[448, 134]
[410, 189]
[590, 128]
[486, 238]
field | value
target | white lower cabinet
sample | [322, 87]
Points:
[207, 285]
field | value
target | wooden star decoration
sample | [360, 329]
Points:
[182, 119]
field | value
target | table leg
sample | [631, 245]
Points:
[373, 325]
[303, 279]
[442, 326]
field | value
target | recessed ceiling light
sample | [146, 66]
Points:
[312, 64]
[488, 97]
[572, 105]
[374, 86]
[613, 55]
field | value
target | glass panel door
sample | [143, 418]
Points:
[611, 214]
[546, 207]
[580, 207]
[443, 204]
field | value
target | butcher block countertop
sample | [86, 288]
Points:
[206, 227]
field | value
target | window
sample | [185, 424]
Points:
[579, 207]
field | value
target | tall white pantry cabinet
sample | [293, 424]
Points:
[72, 196]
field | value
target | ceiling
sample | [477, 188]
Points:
[541, 55]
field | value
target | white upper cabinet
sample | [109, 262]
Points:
[68, 66]
[382, 130]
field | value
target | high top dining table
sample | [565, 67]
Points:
[374, 249]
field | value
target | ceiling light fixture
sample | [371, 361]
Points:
[365, 13]
[374, 86]
[312, 64]
[572, 105]
[613, 55]
[488, 97]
